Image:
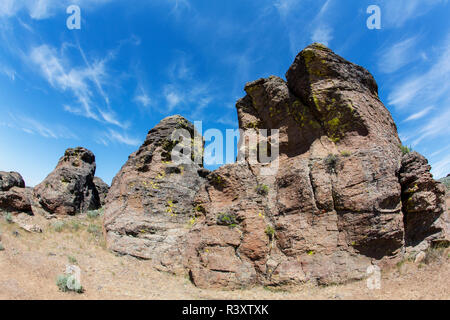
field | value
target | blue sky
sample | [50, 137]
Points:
[135, 62]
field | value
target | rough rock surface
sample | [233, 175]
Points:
[332, 209]
[69, 189]
[10, 179]
[16, 200]
[102, 190]
[342, 198]
[424, 208]
[149, 205]
[14, 197]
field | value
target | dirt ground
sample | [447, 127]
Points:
[31, 262]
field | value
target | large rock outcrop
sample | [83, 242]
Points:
[339, 198]
[69, 189]
[149, 205]
[14, 197]
[334, 206]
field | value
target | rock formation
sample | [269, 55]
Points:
[69, 189]
[424, 211]
[343, 196]
[9, 180]
[149, 205]
[334, 205]
[102, 190]
[14, 197]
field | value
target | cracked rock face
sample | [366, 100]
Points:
[342, 198]
[149, 205]
[333, 208]
[424, 207]
[69, 189]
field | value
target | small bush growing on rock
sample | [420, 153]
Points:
[199, 208]
[405, 149]
[68, 283]
[331, 162]
[226, 219]
[262, 189]
[270, 231]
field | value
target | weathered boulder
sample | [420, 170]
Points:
[69, 189]
[424, 208]
[334, 205]
[10, 179]
[16, 200]
[14, 197]
[149, 205]
[102, 190]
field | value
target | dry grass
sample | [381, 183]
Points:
[31, 263]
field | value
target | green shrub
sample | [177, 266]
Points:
[270, 231]
[75, 225]
[346, 153]
[331, 161]
[72, 260]
[262, 189]
[92, 214]
[227, 219]
[199, 208]
[94, 229]
[405, 149]
[59, 226]
[68, 283]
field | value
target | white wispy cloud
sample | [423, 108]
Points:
[322, 34]
[143, 99]
[179, 69]
[436, 126]
[84, 82]
[293, 14]
[285, 7]
[173, 97]
[33, 126]
[441, 167]
[117, 137]
[396, 13]
[9, 72]
[398, 55]
[419, 115]
[427, 88]
[185, 92]
[427, 97]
